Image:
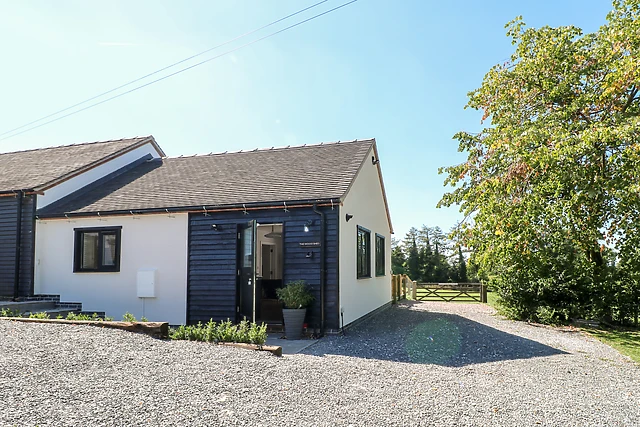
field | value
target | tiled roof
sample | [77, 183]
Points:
[34, 169]
[306, 173]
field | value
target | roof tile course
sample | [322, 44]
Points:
[273, 175]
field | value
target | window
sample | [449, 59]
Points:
[97, 249]
[380, 255]
[363, 253]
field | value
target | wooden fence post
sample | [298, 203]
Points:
[393, 289]
[414, 290]
[403, 279]
[483, 293]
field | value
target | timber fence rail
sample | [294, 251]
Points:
[462, 292]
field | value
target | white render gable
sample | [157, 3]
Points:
[365, 200]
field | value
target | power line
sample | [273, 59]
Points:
[160, 70]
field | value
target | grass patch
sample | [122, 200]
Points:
[626, 341]
[492, 299]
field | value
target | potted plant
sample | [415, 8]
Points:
[296, 297]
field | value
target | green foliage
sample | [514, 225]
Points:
[40, 315]
[295, 294]
[8, 312]
[81, 316]
[398, 258]
[128, 317]
[550, 187]
[144, 319]
[428, 255]
[244, 332]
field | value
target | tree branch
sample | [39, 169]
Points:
[631, 98]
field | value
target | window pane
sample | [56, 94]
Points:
[89, 258]
[363, 253]
[380, 258]
[108, 250]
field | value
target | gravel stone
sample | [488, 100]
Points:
[441, 364]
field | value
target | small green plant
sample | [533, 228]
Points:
[8, 312]
[245, 332]
[128, 317]
[144, 319]
[258, 334]
[81, 316]
[179, 333]
[40, 315]
[295, 294]
[226, 331]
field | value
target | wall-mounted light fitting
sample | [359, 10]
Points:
[215, 227]
[374, 160]
[348, 217]
[307, 225]
[309, 255]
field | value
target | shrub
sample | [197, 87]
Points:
[258, 334]
[295, 294]
[7, 312]
[81, 316]
[40, 315]
[244, 332]
[128, 317]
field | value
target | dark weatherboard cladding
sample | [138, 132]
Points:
[211, 289]
[8, 238]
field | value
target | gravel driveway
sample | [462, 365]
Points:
[418, 364]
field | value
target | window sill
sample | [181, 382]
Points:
[96, 271]
[363, 277]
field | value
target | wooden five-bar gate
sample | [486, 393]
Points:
[402, 286]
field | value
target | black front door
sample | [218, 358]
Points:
[247, 271]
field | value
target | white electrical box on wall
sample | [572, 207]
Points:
[147, 283]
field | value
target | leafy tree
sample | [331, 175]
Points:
[461, 267]
[553, 180]
[413, 255]
[398, 258]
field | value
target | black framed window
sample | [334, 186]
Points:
[363, 253]
[380, 259]
[97, 249]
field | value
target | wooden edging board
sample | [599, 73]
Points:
[155, 329]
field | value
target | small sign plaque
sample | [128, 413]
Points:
[309, 244]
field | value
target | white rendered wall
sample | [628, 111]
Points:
[148, 242]
[67, 187]
[365, 202]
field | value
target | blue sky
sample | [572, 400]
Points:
[398, 71]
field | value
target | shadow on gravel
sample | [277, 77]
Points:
[417, 336]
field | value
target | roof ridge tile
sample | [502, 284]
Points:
[288, 147]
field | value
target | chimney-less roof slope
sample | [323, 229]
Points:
[306, 173]
[37, 169]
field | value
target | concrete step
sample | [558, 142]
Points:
[28, 306]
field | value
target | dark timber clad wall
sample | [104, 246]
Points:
[212, 261]
[8, 223]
